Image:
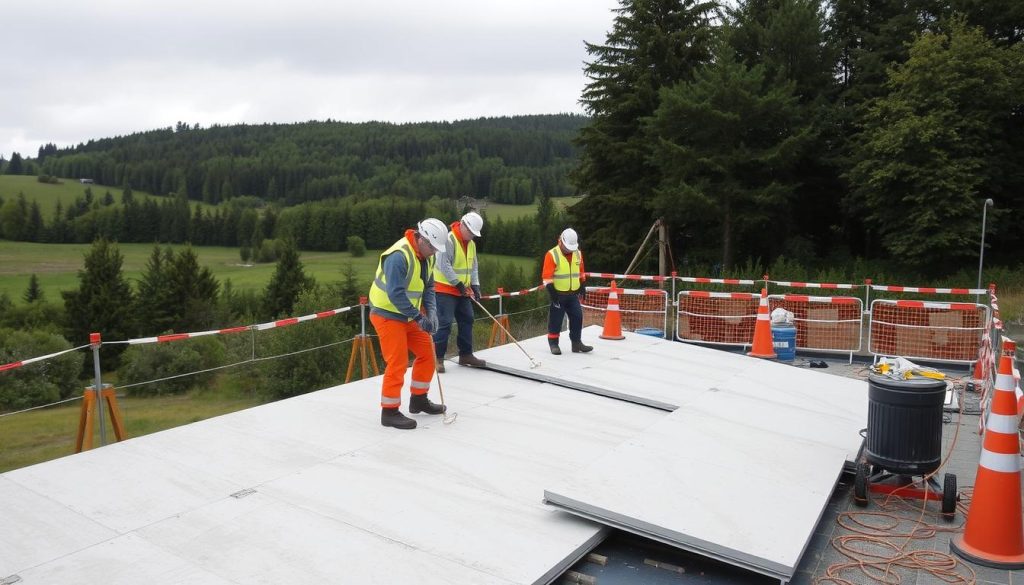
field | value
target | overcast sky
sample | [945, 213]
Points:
[71, 70]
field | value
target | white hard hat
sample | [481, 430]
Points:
[474, 222]
[435, 232]
[569, 239]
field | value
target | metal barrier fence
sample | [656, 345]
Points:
[942, 332]
[638, 308]
[827, 324]
[717, 318]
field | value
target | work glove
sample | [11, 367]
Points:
[553, 295]
[476, 292]
[462, 289]
[427, 324]
[434, 325]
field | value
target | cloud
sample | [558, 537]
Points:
[104, 67]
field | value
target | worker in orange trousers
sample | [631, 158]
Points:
[403, 310]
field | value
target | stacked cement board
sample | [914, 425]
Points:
[313, 490]
[740, 471]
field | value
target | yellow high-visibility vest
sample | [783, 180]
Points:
[414, 284]
[462, 262]
[567, 273]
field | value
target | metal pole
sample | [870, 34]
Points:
[362, 316]
[981, 252]
[95, 340]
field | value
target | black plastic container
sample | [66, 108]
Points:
[904, 434]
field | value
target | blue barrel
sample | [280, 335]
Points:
[784, 341]
[650, 331]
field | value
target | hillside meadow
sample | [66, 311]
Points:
[48, 194]
[57, 265]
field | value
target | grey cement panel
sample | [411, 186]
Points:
[36, 529]
[658, 372]
[704, 481]
[121, 487]
[466, 496]
[126, 560]
[400, 494]
[258, 539]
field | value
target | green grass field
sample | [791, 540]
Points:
[47, 195]
[506, 211]
[57, 266]
[41, 435]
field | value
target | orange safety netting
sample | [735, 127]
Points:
[938, 331]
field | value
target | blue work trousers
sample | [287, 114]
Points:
[459, 309]
[569, 304]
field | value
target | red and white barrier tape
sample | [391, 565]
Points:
[703, 280]
[828, 285]
[930, 305]
[28, 361]
[651, 292]
[608, 276]
[230, 330]
[825, 299]
[930, 290]
[517, 293]
[720, 295]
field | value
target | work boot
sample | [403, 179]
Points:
[578, 347]
[471, 360]
[553, 344]
[440, 365]
[420, 403]
[391, 417]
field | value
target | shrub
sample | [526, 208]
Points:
[356, 246]
[312, 370]
[141, 363]
[41, 382]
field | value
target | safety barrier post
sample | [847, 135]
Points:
[91, 401]
[500, 325]
[95, 339]
[670, 324]
[361, 346]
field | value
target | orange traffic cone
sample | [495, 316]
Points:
[762, 346]
[994, 535]
[612, 319]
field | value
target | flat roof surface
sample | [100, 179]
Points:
[313, 490]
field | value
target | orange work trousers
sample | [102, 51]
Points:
[397, 339]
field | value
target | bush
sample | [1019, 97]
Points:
[141, 363]
[356, 246]
[42, 382]
[313, 370]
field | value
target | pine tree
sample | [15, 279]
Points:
[102, 303]
[192, 292]
[33, 293]
[35, 231]
[652, 44]
[925, 159]
[16, 166]
[722, 141]
[288, 281]
[153, 304]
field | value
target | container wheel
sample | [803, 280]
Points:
[949, 497]
[860, 484]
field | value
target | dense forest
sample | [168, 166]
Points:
[508, 160]
[821, 131]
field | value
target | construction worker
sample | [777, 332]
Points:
[403, 310]
[563, 276]
[457, 282]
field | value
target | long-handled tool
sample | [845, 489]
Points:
[449, 417]
[533, 363]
